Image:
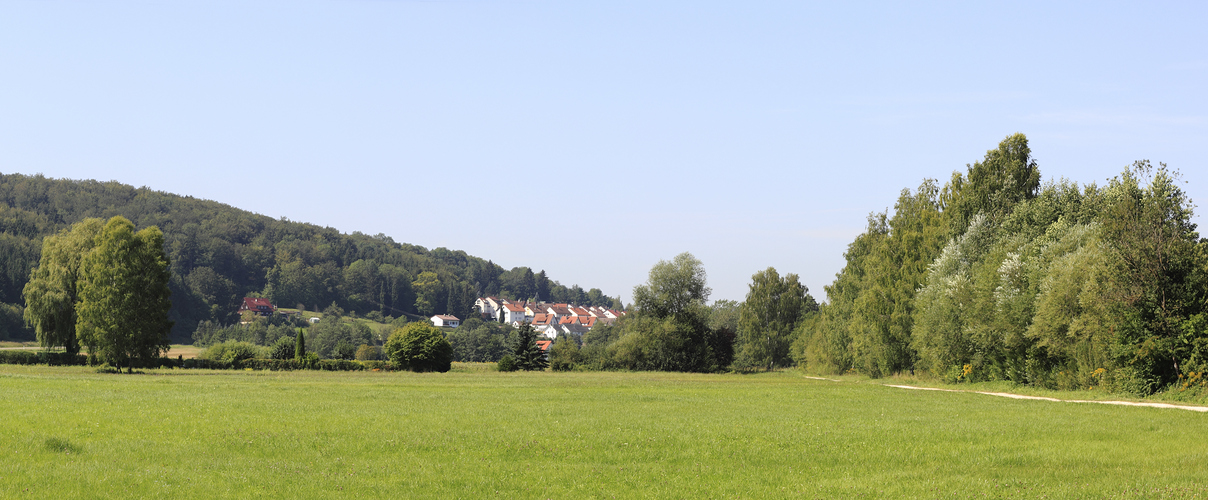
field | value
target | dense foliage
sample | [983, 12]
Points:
[419, 347]
[998, 277]
[219, 254]
[669, 328]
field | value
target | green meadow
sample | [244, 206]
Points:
[69, 432]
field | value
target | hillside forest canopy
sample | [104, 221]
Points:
[219, 254]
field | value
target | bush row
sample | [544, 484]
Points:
[42, 358]
[62, 358]
[333, 365]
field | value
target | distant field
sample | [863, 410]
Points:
[69, 432]
[186, 350]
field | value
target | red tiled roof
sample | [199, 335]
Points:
[544, 344]
[256, 302]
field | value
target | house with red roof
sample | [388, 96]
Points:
[257, 305]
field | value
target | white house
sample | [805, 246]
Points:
[488, 305]
[445, 320]
[549, 331]
[513, 313]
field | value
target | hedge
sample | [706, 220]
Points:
[16, 357]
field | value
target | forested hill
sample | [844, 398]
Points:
[220, 254]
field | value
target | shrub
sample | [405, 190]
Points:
[564, 355]
[369, 353]
[232, 351]
[283, 348]
[507, 364]
[419, 347]
[343, 350]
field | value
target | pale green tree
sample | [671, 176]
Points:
[123, 294]
[52, 291]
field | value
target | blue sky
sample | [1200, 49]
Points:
[592, 139]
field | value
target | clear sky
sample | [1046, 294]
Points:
[592, 139]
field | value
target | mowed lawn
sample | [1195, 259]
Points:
[68, 432]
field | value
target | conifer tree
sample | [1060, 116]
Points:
[526, 352]
[300, 346]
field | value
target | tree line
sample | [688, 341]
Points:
[996, 276]
[219, 254]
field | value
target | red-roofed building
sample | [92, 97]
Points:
[543, 319]
[257, 305]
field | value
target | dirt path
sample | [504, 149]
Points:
[1202, 409]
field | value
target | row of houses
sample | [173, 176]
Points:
[549, 319]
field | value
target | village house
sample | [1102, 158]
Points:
[547, 319]
[257, 305]
[445, 320]
[489, 306]
[573, 329]
[513, 313]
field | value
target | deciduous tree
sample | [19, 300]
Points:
[124, 295]
[419, 347]
[772, 309]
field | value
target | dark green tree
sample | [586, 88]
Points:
[525, 351]
[769, 314]
[283, 348]
[1006, 176]
[1155, 287]
[419, 347]
[300, 345]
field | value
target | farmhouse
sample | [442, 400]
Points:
[258, 306]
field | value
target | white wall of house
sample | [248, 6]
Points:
[510, 316]
[439, 321]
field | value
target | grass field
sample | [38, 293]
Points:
[69, 432]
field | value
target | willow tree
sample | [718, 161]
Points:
[52, 291]
[123, 294]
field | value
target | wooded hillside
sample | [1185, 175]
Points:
[219, 254]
